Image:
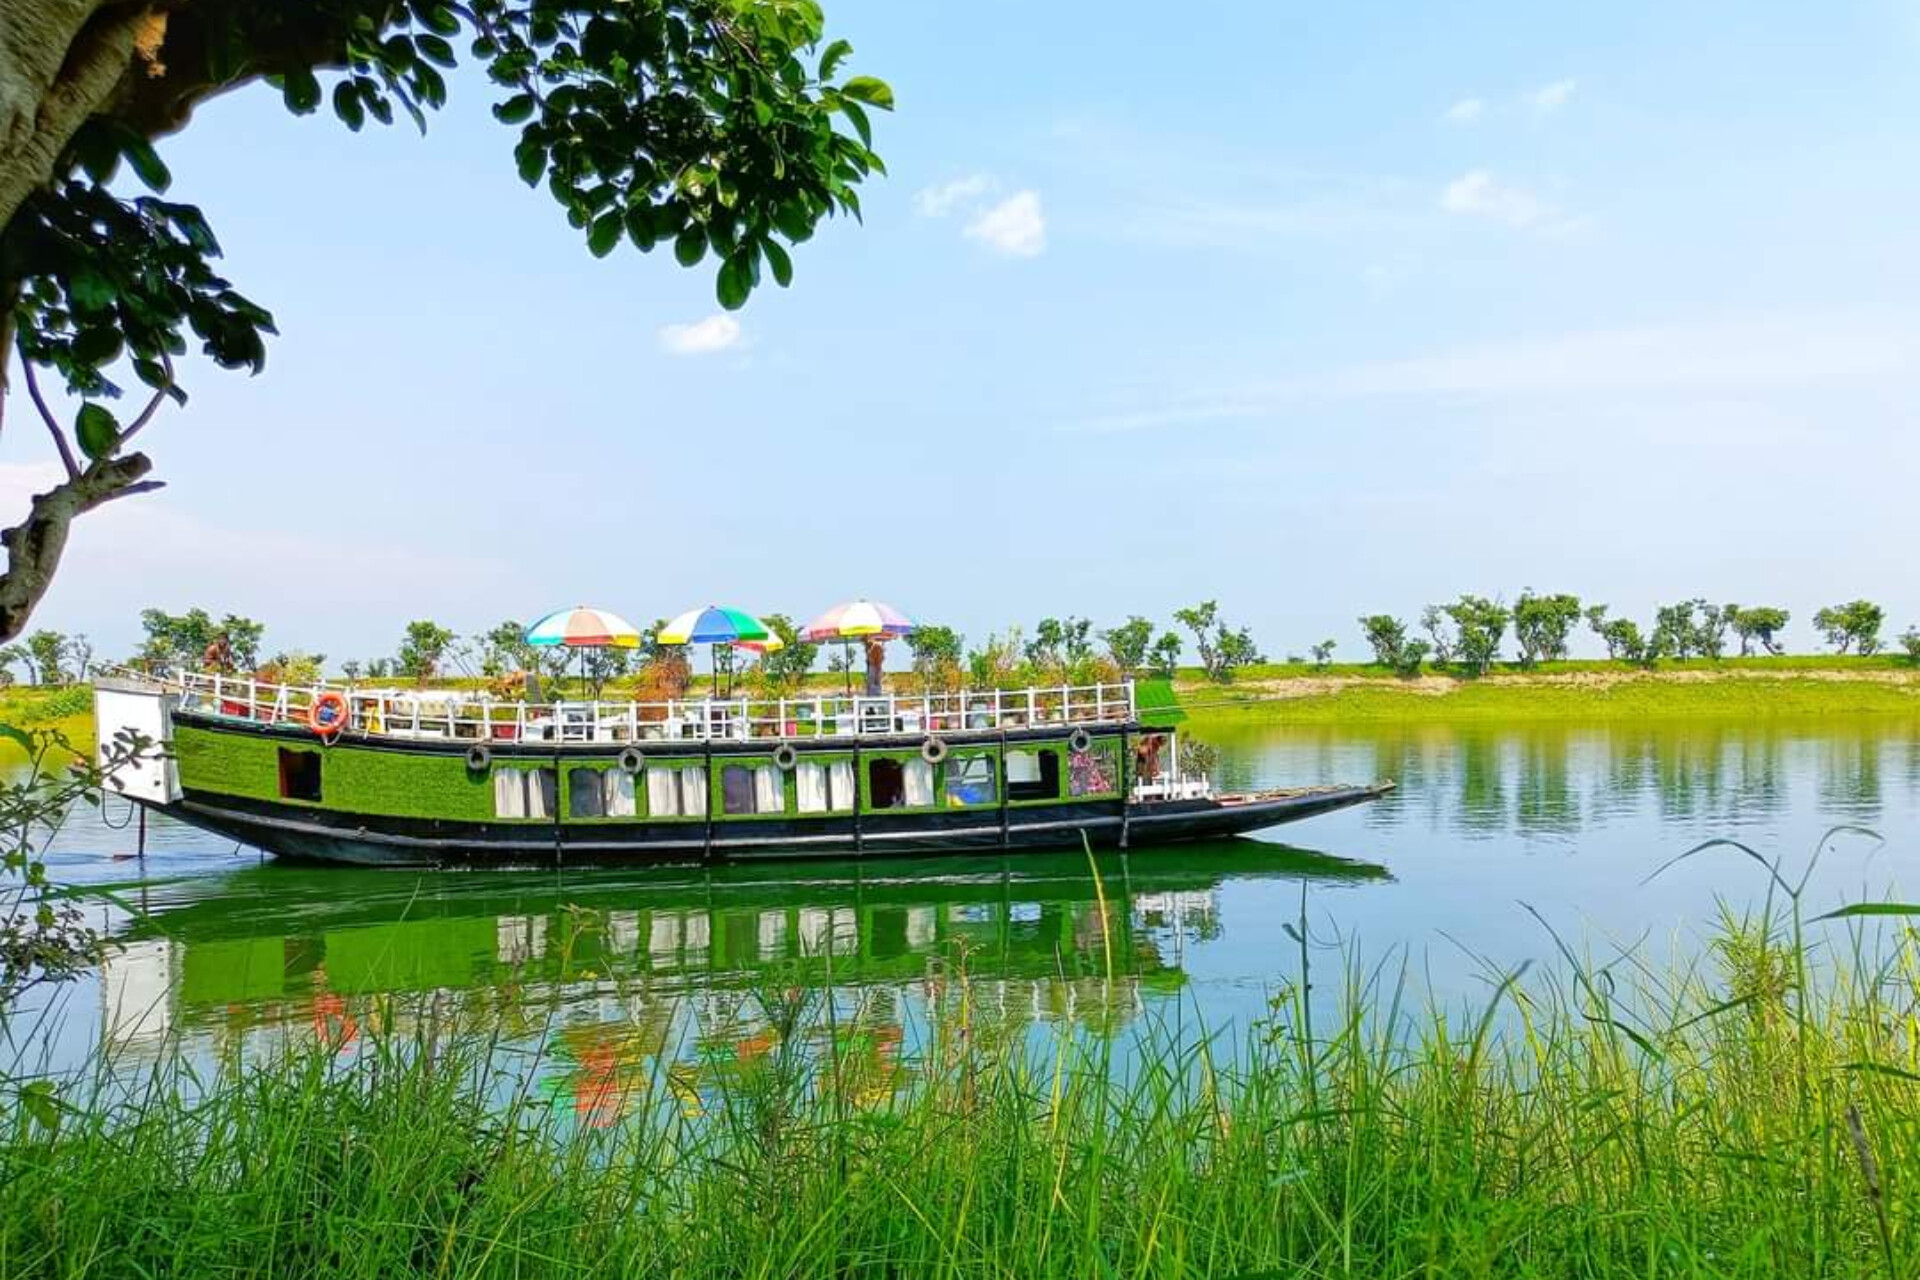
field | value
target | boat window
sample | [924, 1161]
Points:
[751, 789]
[970, 780]
[676, 791]
[299, 774]
[736, 789]
[1033, 775]
[600, 793]
[525, 793]
[824, 788]
[886, 788]
[1092, 772]
[900, 784]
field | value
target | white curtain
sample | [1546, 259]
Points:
[510, 793]
[663, 793]
[693, 792]
[917, 777]
[840, 786]
[811, 782]
[619, 793]
[542, 786]
[769, 790]
[1023, 766]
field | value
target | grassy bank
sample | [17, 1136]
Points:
[1736, 1120]
[1743, 688]
[68, 709]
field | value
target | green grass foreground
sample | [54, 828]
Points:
[1731, 1120]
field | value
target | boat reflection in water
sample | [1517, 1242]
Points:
[616, 975]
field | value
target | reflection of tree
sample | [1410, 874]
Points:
[1482, 785]
[1545, 802]
[1850, 775]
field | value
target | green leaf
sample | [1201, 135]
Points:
[1873, 909]
[435, 49]
[98, 345]
[794, 222]
[96, 429]
[1880, 1069]
[438, 18]
[857, 116]
[347, 105]
[531, 159]
[690, 245]
[19, 737]
[89, 290]
[778, 260]
[605, 234]
[830, 60]
[41, 1103]
[145, 161]
[734, 282]
[872, 91]
[641, 227]
[301, 93]
[515, 110]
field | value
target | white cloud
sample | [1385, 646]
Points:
[1016, 226]
[1758, 363]
[1465, 111]
[938, 201]
[1551, 97]
[1481, 194]
[703, 337]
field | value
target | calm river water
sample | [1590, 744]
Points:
[604, 969]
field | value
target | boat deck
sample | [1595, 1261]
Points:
[463, 715]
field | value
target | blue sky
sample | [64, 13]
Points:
[1315, 310]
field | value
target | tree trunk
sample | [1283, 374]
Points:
[61, 61]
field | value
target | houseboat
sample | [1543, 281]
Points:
[452, 777]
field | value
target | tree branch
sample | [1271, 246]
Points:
[46, 416]
[153, 405]
[34, 546]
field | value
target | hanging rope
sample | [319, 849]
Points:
[108, 822]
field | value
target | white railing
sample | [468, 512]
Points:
[463, 714]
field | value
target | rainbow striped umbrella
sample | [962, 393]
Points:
[714, 625]
[584, 628]
[857, 618]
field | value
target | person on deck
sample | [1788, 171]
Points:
[876, 666]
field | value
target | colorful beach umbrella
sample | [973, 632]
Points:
[714, 625]
[583, 628]
[717, 626]
[856, 619]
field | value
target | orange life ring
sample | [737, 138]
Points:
[328, 714]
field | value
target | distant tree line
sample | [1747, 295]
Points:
[1466, 636]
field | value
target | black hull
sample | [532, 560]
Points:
[308, 835]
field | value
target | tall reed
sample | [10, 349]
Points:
[1752, 1113]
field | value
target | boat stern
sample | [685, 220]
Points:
[123, 706]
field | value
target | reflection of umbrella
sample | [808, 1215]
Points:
[856, 620]
[716, 626]
[583, 628]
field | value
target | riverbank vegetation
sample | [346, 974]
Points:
[1750, 1115]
